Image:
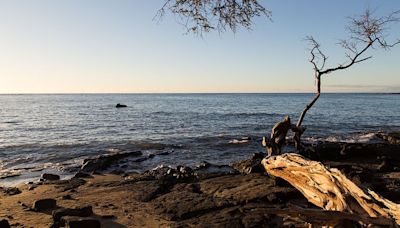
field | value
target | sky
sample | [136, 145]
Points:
[104, 46]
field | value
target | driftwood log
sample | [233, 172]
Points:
[329, 189]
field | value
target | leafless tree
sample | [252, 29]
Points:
[366, 32]
[199, 16]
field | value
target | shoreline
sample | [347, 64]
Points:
[119, 160]
[240, 195]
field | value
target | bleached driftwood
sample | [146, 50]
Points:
[329, 189]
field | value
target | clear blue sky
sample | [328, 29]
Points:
[74, 46]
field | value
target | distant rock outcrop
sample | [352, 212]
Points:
[121, 106]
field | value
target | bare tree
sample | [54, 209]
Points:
[366, 32]
[200, 16]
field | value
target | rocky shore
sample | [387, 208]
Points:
[236, 195]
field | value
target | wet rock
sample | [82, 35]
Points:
[10, 191]
[181, 173]
[4, 223]
[44, 204]
[50, 177]
[207, 170]
[105, 161]
[79, 222]
[77, 212]
[120, 105]
[10, 173]
[251, 165]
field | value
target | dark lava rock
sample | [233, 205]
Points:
[385, 166]
[67, 197]
[66, 185]
[78, 212]
[44, 204]
[79, 222]
[32, 187]
[82, 175]
[181, 173]
[120, 105]
[10, 191]
[104, 161]
[207, 170]
[251, 165]
[50, 177]
[4, 224]
[178, 205]
[392, 138]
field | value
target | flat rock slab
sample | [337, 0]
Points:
[236, 216]
[244, 188]
[190, 200]
[78, 212]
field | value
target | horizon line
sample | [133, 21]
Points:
[133, 93]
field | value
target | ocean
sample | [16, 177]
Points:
[55, 132]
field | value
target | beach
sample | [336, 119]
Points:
[237, 195]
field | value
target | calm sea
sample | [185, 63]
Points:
[56, 132]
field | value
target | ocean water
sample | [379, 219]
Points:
[56, 132]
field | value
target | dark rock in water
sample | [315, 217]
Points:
[50, 177]
[163, 173]
[78, 212]
[104, 161]
[79, 222]
[44, 204]
[4, 224]
[121, 106]
[10, 191]
[252, 165]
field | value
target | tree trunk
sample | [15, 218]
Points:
[328, 188]
[299, 130]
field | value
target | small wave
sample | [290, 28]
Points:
[370, 137]
[243, 140]
[155, 146]
[250, 114]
